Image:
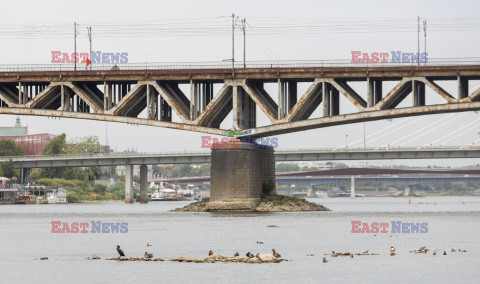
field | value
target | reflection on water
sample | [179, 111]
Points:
[453, 223]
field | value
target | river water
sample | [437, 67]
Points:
[453, 222]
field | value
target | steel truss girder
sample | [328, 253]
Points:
[239, 95]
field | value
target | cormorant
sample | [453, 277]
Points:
[236, 254]
[250, 255]
[210, 253]
[120, 251]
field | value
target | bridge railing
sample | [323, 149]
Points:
[228, 65]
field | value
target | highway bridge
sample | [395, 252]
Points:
[280, 156]
[332, 176]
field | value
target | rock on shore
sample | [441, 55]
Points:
[271, 203]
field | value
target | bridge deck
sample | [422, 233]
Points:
[204, 157]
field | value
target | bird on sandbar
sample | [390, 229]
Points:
[325, 260]
[444, 253]
[210, 253]
[392, 251]
[236, 254]
[276, 254]
[120, 251]
[434, 252]
[249, 255]
[148, 255]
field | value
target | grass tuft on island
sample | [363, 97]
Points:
[270, 203]
[282, 203]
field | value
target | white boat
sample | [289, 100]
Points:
[321, 194]
[57, 197]
[163, 194]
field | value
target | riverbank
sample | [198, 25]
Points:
[271, 203]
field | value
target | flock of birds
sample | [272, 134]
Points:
[147, 255]
[392, 252]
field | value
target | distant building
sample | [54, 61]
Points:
[18, 130]
[31, 144]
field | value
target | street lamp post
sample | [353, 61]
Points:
[346, 141]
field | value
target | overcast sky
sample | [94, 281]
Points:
[265, 47]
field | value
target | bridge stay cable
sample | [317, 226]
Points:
[427, 127]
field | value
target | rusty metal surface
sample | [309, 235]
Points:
[17, 97]
[110, 118]
[249, 73]
[288, 127]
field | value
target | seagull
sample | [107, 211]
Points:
[148, 255]
[392, 251]
[236, 254]
[120, 251]
[250, 255]
[275, 254]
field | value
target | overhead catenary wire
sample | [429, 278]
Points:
[219, 26]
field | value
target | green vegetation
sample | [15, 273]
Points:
[78, 190]
[287, 167]
[183, 170]
[77, 146]
[267, 189]
[9, 148]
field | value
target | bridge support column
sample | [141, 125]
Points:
[352, 187]
[326, 98]
[128, 183]
[244, 111]
[418, 90]
[238, 174]
[143, 184]
[462, 87]
[374, 91]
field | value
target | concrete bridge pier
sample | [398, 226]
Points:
[143, 184]
[239, 171]
[352, 187]
[128, 183]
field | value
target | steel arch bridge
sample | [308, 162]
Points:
[126, 92]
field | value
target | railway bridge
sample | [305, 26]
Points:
[199, 97]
